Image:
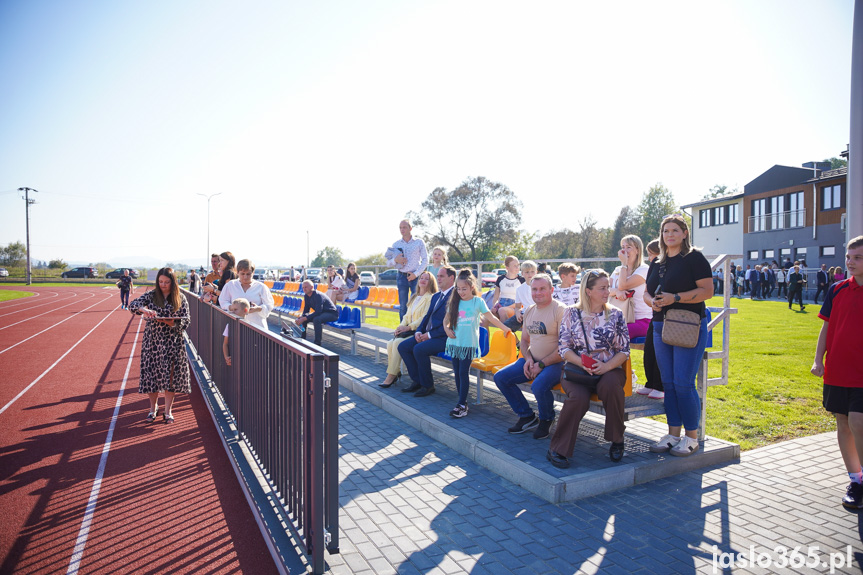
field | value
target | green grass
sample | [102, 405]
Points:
[770, 396]
[6, 295]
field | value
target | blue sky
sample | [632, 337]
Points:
[340, 117]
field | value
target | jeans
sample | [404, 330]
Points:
[404, 285]
[318, 320]
[507, 381]
[124, 297]
[679, 366]
[461, 369]
[417, 358]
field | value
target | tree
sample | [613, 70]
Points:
[837, 163]
[718, 191]
[656, 203]
[627, 223]
[557, 245]
[471, 218]
[372, 260]
[521, 246]
[13, 255]
[57, 264]
[329, 256]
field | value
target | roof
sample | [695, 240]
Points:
[718, 200]
[776, 178]
[829, 174]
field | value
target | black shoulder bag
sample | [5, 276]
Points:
[574, 373]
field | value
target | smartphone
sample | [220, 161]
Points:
[588, 361]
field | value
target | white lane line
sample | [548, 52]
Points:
[37, 305]
[28, 300]
[53, 365]
[76, 300]
[58, 323]
[81, 541]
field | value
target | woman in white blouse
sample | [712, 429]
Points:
[627, 285]
[417, 307]
[258, 294]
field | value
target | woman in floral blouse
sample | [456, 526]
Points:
[592, 327]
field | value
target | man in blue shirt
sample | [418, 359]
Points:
[408, 255]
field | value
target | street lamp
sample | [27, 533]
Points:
[210, 197]
[27, 203]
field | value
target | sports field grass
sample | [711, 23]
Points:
[770, 396]
[6, 294]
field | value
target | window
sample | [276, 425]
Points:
[800, 254]
[785, 252]
[828, 251]
[797, 212]
[777, 218]
[732, 213]
[769, 254]
[719, 216]
[704, 216]
[832, 197]
[753, 255]
[759, 208]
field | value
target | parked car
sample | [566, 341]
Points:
[118, 273]
[368, 278]
[286, 277]
[84, 272]
[4, 273]
[500, 271]
[388, 277]
[555, 278]
[488, 279]
[265, 274]
[314, 274]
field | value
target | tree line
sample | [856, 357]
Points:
[479, 220]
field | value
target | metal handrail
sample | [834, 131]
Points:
[282, 395]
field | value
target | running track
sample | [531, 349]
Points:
[168, 500]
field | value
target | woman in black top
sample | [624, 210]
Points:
[228, 267]
[680, 278]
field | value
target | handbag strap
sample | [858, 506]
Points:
[584, 331]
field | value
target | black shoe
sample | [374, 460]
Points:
[424, 392]
[557, 459]
[386, 385]
[853, 496]
[524, 423]
[411, 388]
[541, 431]
[615, 452]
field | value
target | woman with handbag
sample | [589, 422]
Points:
[678, 284]
[418, 305]
[594, 343]
[627, 286]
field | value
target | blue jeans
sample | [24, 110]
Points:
[461, 369]
[404, 285]
[507, 381]
[679, 366]
[124, 297]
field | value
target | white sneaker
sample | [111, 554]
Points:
[656, 394]
[665, 444]
[643, 391]
[685, 447]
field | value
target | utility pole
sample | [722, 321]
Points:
[210, 197]
[27, 202]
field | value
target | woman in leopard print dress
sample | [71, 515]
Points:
[164, 364]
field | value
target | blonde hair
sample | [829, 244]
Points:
[528, 265]
[635, 242]
[588, 280]
[444, 261]
[242, 303]
[431, 289]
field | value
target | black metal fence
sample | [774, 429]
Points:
[283, 396]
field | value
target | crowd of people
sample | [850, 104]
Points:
[574, 334]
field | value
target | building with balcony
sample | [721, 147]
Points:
[795, 214]
[717, 225]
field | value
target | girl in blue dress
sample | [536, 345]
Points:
[463, 317]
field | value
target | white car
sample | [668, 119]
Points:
[368, 278]
[4, 273]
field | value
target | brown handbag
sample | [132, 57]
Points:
[681, 328]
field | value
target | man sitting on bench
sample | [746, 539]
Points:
[325, 310]
[430, 338]
[541, 362]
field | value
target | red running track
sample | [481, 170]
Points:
[168, 500]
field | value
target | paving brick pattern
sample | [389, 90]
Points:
[412, 505]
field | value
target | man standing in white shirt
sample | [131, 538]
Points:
[408, 255]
